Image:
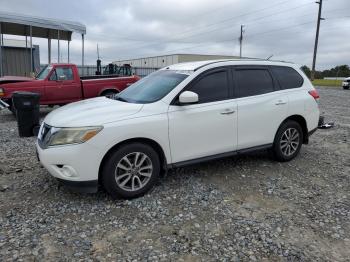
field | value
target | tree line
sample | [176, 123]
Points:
[338, 71]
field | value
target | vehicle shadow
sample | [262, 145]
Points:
[221, 173]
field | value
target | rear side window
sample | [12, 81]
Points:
[212, 87]
[252, 82]
[287, 77]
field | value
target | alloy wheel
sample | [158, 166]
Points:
[289, 142]
[133, 171]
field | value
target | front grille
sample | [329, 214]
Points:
[44, 135]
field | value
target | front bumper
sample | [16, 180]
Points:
[81, 186]
[77, 166]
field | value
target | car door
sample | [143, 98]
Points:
[261, 108]
[209, 126]
[61, 86]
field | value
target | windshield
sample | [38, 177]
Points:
[43, 73]
[153, 87]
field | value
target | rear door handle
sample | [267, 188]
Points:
[227, 111]
[280, 102]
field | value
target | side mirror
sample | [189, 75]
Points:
[62, 78]
[188, 97]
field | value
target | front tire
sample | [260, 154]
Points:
[131, 171]
[345, 87]
[288, 141]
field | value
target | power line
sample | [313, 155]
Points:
[249, 36]
[219, 22]
[278, 29]
[261, 33]
[235, 17]
[249, 22]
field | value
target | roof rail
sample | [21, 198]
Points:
[244, 59]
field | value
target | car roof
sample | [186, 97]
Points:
[193, 66]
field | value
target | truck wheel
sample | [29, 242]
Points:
[131, 171]
[346, 87]
[109, 94]
[288, 141]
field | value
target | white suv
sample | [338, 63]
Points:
[179, 115]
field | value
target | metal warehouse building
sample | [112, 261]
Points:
[157, 62]
[16, 57]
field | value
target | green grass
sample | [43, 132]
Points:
[326, 82]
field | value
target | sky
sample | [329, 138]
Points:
[126, 29]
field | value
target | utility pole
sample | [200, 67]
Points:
[240, 41]
[98, 53]
[319, 18]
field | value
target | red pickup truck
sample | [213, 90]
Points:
[59, 84]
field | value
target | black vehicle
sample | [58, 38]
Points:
[113, 69]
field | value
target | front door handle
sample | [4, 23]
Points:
[228, 111]
[280, 102]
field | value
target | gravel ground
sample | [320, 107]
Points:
[236, 209]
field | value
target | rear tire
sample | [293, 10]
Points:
[288, 141]
[131, 171]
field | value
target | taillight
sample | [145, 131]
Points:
[314, 94]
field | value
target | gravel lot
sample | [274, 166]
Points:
[240, 208]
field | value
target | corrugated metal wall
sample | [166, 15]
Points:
[151, 62]
[166, 60]
[16, 60]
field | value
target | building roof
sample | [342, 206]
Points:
[179, 54]
[18, 24]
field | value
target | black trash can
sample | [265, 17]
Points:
[27, 108]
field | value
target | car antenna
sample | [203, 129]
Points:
[269, 57]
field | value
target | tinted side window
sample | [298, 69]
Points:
[212, 87]
[287, 77]
[253, 82]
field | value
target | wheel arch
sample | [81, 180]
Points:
[302, 122]
[108, 89]
[142, 140]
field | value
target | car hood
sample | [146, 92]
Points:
[91, 112]
[15, 79]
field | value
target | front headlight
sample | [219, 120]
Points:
[72, 135]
